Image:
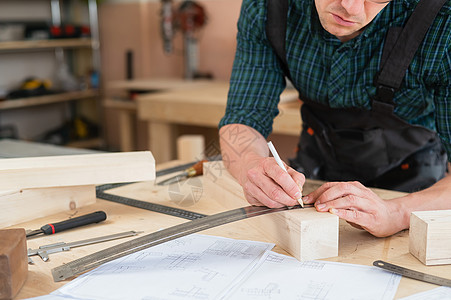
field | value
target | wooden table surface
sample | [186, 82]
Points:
[355, 246]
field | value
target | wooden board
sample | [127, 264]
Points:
[74, 170]
[13, 262]
[41, 202]
[430, 236]
[304, 233]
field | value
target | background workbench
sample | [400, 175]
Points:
[355, 246]
[168, 104]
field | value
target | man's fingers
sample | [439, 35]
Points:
[352, 202]
[298, 178]
[335, 190]
[355, 217]
[256, 196]
[283, 179]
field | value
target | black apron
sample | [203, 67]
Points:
[374, 147]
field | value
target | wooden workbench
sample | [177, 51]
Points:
[171, 102]
[201, 105]
[355, 246]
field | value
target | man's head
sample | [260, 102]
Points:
[346, 18]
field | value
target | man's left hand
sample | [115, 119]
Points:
[359, 206]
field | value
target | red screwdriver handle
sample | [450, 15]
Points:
[94, 217]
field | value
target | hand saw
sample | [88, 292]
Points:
[96, 259]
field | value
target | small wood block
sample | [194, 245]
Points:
[304, 233]
[19, 206]
[190, 147]
[13, 262]
[72, 170]
[430, 236]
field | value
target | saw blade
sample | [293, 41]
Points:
[91, 261]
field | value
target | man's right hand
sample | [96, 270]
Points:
[264, 182]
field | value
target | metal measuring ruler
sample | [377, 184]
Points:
[168, 210]
[96, 259]
[412, 274]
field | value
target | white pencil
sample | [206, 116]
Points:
[280, 163]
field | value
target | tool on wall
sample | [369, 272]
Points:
[44, 251]
[52, 228]
[189, 18]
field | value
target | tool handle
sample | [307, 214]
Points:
[196, 169]
[94, 217]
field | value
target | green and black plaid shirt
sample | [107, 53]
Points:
[338, 74]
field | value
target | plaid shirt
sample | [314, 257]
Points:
[340, 75]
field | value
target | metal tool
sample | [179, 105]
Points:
[194, 170]
[96, 259]
[104, 187]
[52, 228]
[44, 251]
[412, 274]
[168, 210]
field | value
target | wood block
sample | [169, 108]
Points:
[13, 262]
[190, 147]
[17, 206]
[73, 170]
[430, 236]
[304, 233]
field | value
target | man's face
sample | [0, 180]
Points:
[346, 18]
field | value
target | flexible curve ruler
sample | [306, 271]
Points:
[91, 261]
[412, 274]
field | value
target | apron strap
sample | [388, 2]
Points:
[400, 48]
[276, 28]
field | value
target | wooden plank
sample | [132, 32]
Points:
[430, 236]
[42, 202]
[304, 233]
[73, 170]
[13, 262]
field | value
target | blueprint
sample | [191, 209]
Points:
[283, 277]
[199, 267]
[192, 267]
[440, 293]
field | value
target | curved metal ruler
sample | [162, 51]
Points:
[91, 261]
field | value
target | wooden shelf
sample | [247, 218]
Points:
[94, 143]
[48, 99]
[31, 45]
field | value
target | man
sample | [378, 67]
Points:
[354, 131]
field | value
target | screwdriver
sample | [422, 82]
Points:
[52, 228]
[192, 171]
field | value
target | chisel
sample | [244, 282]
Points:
[194, 170]
[52, 228]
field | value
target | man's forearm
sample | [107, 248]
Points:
[436, 197]
[241, 145]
